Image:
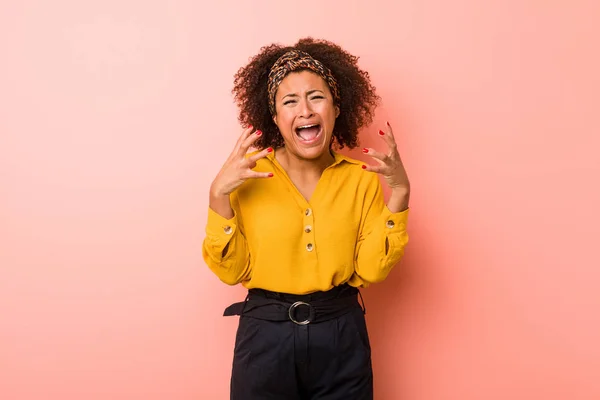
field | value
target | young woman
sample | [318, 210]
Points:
[302, 227]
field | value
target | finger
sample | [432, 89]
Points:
[379, 169]
[390, 130]
[388, 138]
[382, 163]
[245, 133]
[380, 157]
[252, 160]
[248, 142]
[258, 175]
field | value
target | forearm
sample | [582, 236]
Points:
[221, 204]
[399, 199]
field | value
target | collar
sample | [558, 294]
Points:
[338, 158]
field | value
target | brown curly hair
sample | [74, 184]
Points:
[358, 98]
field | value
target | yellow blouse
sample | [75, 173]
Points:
[279, 241]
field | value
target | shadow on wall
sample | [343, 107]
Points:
[400, 312]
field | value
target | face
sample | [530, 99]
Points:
[305, 114]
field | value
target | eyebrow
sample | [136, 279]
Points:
[308, 93]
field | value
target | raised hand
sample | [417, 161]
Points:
[238, 167]
[392, 169]
[236, 170]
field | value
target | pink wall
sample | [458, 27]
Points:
[115, 116]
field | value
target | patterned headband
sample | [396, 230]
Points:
[295, 60]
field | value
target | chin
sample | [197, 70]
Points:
[312, 154]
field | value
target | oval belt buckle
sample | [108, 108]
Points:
[296, 305]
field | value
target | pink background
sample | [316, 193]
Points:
[116, 115]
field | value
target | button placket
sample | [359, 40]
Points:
[308, 230]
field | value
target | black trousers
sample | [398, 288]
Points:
[276, 358]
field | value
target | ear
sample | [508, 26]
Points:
[337, 111]
[275, 119]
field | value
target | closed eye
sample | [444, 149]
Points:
[290, 101]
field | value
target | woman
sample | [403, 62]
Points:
[302, 226]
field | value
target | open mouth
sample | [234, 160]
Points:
[308, 133]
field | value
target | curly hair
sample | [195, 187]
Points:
[358, 98]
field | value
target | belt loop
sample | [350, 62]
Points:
[364, 308]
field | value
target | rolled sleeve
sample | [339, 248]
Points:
[220, 228]
[225, 250]
[219, 233]
[396, 235]
[382, 246]
[395, 222]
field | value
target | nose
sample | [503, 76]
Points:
[305, 109]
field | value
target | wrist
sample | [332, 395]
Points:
[217, 193]
[400, 190]
[219, 202]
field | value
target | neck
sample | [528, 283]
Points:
[292, 163]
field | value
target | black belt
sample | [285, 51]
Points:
[318, 310]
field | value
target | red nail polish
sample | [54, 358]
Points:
[270, 150]
[258, 133]
[270, 174]
[381, 133]
[364, 167]
[365, 150]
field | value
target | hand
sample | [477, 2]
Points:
[390, 164]
[238, 168]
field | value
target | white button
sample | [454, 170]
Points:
[309, 247]
[308, 212]
[228, 230]
[308, 229]
[390, 224]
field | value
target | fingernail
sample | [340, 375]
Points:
[250, 127]
[270, 174]
[258, 133]
[364, 167]
[270, 150]
[388, 124]
[365, 150]
[381, 133]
